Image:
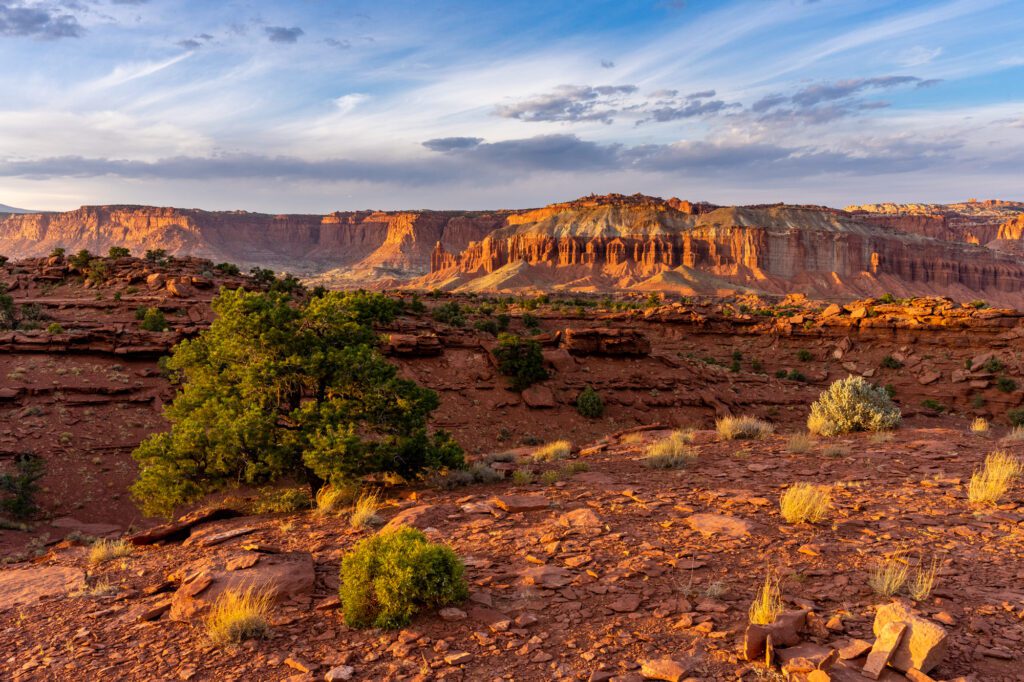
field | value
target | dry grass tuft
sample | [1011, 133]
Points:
[671, 452]
[995, 478]
[806, 503]
[633, 438]
[364, 512]
[767, 605]
[560, 449]
[889, 575]
[239, 615]
[880, 437]
[735, 428]
[331, 500]
[1015, 435]
[105, 550]
[799, 443]
[979, 426]
[921, 584]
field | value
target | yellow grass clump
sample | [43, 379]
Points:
[806, 503]
[767, 605]
[921, 584]
[889, 575]
[979, 425]
[735, 428]
[332, 499]
[105, 550]
[671, 452]
[559, 449]
[364, 513]
[1001, 469]
[238, 615]
[800, 443]
[1015, 435]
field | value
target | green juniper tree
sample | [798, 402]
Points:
[275, 389]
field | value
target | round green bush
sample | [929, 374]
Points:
[387, 578]
[589, 403]
[852, 404]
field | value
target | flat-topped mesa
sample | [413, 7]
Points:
[972, 221]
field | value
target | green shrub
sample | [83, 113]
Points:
[804, 355]
[19, 487]
[889, 362]
[796, 376]
[118, 252]
[933, 405]
[283, 501]
[156, 255]
[589, 403]
[227, 269]
[153, 320]
[780, 374]
[852, 404]
[3, 261]
[58, 252]
[993, 365]
[487, 326]
[530, 321]
[449, 313]
[521, 360]
[80, 260]
[386, 579]
[97, 270]
[1006, 384]
[1016, 416]
[55, 328]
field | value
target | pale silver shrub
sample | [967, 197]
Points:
[852, 404]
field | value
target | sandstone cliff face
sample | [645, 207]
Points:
[973, 221]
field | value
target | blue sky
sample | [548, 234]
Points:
[320, 105]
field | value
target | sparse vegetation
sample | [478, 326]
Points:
[799, 443]
[1016, 435]
[835, 451]
[804, 355]
[559, 449]
[921, 585]
[332, 499]
[522, 477]
[521, 360]
[933, 405]
[852, 404]
[980, 426]
[1006, 384]
[18, 488]
[282, 501]
[237, 615]
[806, 503]
[889, 575]
[671, 452]
[54, 328]
[738, 428]
[889, 362]
[390, 576]
[589, 403]
[767, 605]
[118, 252]
[1000, 471]
[151, 319]
[450, 313]
[105, 550]
[1015, 416]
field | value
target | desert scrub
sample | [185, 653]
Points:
[282, 501]
[736, 428]
[889, 575]
[671, 452]
[521, 360]
[1015, 435]
[979, 426]
[799, 443]
[558, 449]
[364, 511]
[387, 578]
[237, 615]
[767, 605]
[806, 503]
[920, 586]
[105, 550]
[522, 477]
[485, 473]
[804, 355]
[989, 484]
[331, 499]
[889, 362]
[589, 403]
[852, 404]
[152, 320]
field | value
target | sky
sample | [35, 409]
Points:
[311, 106]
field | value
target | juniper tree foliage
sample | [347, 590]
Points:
[275, 389]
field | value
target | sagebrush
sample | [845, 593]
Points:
[852, 404]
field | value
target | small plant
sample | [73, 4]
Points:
[993, 365]
[105, 550]
[852, 404]
[799, 443]
[18, 488]
[485, 473]
[521, 360]
[804, 355]
[559, 449]
[530, 321]
[364, 512]
[889, 575]
[889, 362]
[834, 451]
[1016, 435]
[551, 476]
[672, 452]
[282, 501]
[158, 256]
[794, 375]
[237, 615]
[152, 320]
[1016, 416]
[58, 252]
[589, 403]
[737, 428]
[806, 503]
[1000, 471]
[1006, 384]
[388, 577]
[780, 374]
[980, 426]
[118, 252]
[933, 405]
[54, 328]
[767, 605]
[450, 313]
[920, 586]
[80, 261]
[522, 477]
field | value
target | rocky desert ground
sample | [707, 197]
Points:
[585, 560]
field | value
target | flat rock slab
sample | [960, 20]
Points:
[28, 585]
[546, 576]
[421, 516]
[215, 537]
[719, 524]
[182, 528]
[70, 523]
[288, 576]
[515, 504]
